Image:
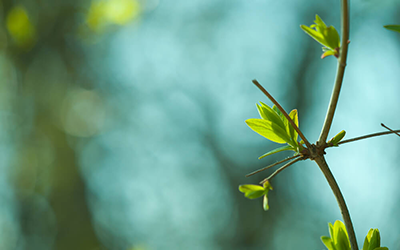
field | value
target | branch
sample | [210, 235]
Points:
[280, 169]
[369, 136]
[339, 74]
[272, 165]
[345, 28]
[340, 200]
[283, 112]
[383, 125]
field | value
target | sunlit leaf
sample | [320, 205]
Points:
[327, 242]
[337, 138]
[314, 34]
[277, 150]
[327, 36]
[294, 116]
[393, 27]
[318, 21]
[339, 239]
[269, 130]
[270, 115]
[252, 191]
[267, 187]
[250, 188]
[328, 53]
[342, 240]
[373, 240]
[275, 108]
[332, 38]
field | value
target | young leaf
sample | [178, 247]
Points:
[327, 242]
[295, 117]
[327, 36]
[252, 191]
[277, 111]
[269, 130]
[332, 37]
[337, 138]
[373, 241]
[271, 115]
[277, 150]
[267, 187]
[393, 27]
[314, 34]
[331, 231]
[265, 202]
[328, 53]
[340, 237]
[342, 240]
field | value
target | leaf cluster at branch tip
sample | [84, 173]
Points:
[256, 191]
[327, 36]
[274, 126]
[395, 28]
[339, 239]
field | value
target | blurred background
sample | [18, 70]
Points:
[122, 123]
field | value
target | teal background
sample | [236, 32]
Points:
[133, 137]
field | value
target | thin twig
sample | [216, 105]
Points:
[339, 75]
[280, 169]
[283, 112]
[272, 165]
[368, 136]
[383, 125]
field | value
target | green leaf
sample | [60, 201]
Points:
[267, 187]
[340, 237]
[331, 232]
[277, 150]
[342, 240]
[252, 191]
[332, 38]
[292, 132]
[328, 53]
[374, 239]
[319, 23]
[327, 242]
[327, 36]
[250, 188]
[366, 241]
[254, 194]
[275, 108]
[393, 27]
[271, 115]
[314, 34]
[265, 203]
[337, 138]
[269, 130]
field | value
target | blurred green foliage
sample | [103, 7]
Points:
[54, 108]
[115, 134]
